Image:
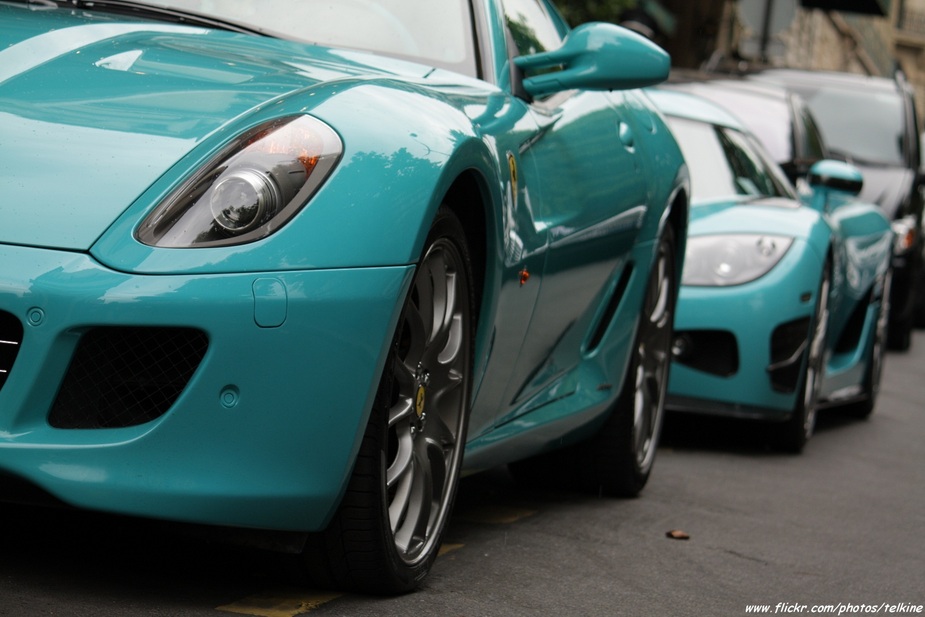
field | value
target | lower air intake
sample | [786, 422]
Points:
[10, 341]
[123, 377]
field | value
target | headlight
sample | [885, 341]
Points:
[721, 261]
[250, 189]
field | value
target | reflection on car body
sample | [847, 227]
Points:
[782, 307]
[275, 272]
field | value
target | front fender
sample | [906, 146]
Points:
[402, 151]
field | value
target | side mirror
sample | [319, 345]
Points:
[596, 56]
[833, 183]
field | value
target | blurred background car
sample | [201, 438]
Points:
[783, 107]
[871, 122]
[783, 300]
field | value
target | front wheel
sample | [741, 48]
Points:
[622, 454]
[799, 427]
[387, 532]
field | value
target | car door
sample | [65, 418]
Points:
[584, 175]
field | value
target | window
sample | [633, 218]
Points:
[531, 26]
[724, 162]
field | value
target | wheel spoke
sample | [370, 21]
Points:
[661, 295]
[402, 411]
[400, 465]
[444, 339]
[426, 417]
[401, 498]
[412, 343]
[439, 431]
[453, 341]
[412, 529]
[436, 293]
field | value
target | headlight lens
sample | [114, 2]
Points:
[722, 261]
[256, 184]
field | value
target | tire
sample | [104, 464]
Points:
[387, 531]
[863, 409]
[798, 428]
[899, 337]
[622, 454]
[903, 309]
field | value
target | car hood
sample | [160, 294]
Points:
[783, 217]
[94, 109]
[887, 187]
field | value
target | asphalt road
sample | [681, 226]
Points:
[841, 527]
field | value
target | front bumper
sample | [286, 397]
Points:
[264, 429]
[740, 350]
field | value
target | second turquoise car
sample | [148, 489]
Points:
[781, 309]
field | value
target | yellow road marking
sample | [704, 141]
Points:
[279, 603]
[448, 548]
[494, 515]
[283, 603]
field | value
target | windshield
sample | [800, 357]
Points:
[437, 32]
[877, 139]
[766, 117]
[724, 163]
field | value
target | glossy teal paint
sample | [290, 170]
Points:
[299, 323]
[580, 392]
[834, 183]
[788, 292]
[828, 227]
[751, 311]
[143, 96]
[596, 56]
[771, 216]
[276, 459]
[271, 302]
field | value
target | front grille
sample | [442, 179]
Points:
[122, 377]
[788, 343]
[10, 341]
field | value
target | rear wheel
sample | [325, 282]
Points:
[903, 313]
[863, 408]
[386, 533]
[900, 334]
[622, 454]
[797, 430]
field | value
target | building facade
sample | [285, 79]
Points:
[872, 37]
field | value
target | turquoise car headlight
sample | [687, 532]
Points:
[250, 189]
[725, 260]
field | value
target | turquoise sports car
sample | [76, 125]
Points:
[279, 264]
[782, 308]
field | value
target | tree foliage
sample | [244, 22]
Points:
[581, 11]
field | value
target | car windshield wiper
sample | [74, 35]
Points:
[141, 9]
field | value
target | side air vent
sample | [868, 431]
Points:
[10, 342]
[788, 346]
[610, 309]
[123, 377]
